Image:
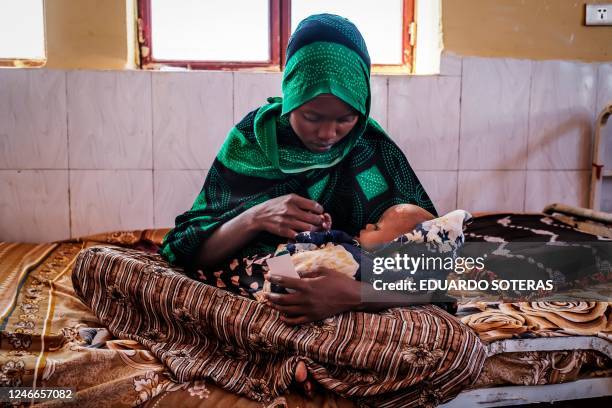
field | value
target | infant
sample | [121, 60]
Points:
[395, 221]
[337, 250]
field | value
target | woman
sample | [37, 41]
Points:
[316, 151]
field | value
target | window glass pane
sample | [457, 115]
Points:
[22, 29]
[380, 23]
[210, 30]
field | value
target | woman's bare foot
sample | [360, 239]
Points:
[301, 378]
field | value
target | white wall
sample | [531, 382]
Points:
[84, 152]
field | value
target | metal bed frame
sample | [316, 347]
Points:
[531, 394]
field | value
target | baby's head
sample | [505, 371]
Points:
[395, 221]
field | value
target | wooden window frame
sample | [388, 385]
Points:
[280, 30]
[22, 63]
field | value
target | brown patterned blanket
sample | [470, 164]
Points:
[405, 357]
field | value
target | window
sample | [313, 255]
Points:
[22, 40]
[234, 34]
[202, 34]
[380, 23]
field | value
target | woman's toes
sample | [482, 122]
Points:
[309, 389]
[301, 373]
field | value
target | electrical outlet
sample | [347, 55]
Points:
[599, 14]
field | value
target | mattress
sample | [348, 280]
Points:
[49, 338]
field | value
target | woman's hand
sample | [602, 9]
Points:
[318, 295]
[284, 216]
[287, 215]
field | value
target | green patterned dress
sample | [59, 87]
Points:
[262, 157]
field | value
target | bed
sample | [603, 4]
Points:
[49, 338]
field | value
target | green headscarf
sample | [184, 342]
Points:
[340, 68]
